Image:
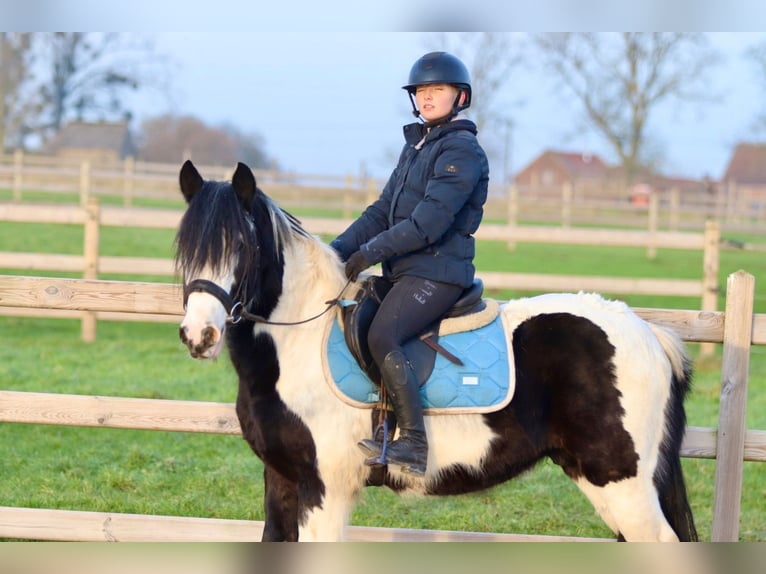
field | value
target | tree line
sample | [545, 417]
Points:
[50, 78]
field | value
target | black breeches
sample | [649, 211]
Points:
[412, 304]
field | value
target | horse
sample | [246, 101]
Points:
[598, 390]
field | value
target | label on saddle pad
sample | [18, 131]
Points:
[483, 384]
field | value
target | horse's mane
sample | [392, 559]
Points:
[320, 257]
[285, 226]
[216, 228]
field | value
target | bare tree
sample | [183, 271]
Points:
[757, 55]
[15, 64]
[170, 138]
[251, 148]
[620, 78]
[90, 72]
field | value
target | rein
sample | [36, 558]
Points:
[237, 310]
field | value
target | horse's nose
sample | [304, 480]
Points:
[210, 336]
[182, 334]
[208, 341]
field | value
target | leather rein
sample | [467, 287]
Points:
[237, 309]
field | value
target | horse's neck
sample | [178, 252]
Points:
[311, 278]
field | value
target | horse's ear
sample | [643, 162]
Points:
[190, 179]
[243, 181]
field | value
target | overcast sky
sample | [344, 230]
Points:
[330, 103]
[323, 88]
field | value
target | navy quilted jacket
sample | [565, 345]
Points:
[423, 222]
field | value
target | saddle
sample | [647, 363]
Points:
[421, 351]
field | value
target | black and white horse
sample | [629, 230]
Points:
[597, 389]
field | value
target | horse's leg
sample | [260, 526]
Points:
[594, 494]
[631, 508]
[327, 524]
[343, 481]
[280, 503]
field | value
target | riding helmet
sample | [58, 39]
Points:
[440, 68]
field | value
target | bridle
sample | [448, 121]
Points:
[236, 309]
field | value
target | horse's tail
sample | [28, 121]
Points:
[668, 476]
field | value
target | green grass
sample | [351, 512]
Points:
[217, 476]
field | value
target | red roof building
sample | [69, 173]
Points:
[747, 165]
[744, 180]
[554, 168]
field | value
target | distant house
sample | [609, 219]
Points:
[747, 165]
[552, 169]
[745, 177]
[99, 142]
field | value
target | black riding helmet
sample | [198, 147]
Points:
[440, 68]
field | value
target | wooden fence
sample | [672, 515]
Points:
[92, 263]
[735, 207]
[730, 444]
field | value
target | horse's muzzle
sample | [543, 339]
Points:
[207, 347]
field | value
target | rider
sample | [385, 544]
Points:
[420, 229]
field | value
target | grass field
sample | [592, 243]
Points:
[217, 476]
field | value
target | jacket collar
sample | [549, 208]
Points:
[416, 132]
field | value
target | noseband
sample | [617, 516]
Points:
[236, 309]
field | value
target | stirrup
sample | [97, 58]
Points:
[379, 459]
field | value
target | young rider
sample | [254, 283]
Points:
[420, 229]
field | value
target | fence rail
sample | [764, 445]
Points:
[736, 207]
[92, 263]
[66, 525]
[737, 329]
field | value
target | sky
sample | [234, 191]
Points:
[332, 103]
[320, 83]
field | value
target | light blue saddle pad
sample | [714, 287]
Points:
[483, 384]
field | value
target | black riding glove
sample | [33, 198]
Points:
[356, 264]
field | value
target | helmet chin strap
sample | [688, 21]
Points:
[437, 121]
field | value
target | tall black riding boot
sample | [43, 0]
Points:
[410, 450]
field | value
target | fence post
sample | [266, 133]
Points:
[371, 191]
[566, 204]
[711, 258]
[348, 196]
[675, 208]
[90, 249]
[127, 181]
[84, 182]
[730, 450]
[18, 174]
[653, 218]
[512, 215]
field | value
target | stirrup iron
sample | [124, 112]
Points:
[381, 458]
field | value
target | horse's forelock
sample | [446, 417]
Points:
[214, 231]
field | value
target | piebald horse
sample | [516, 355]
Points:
[598, 390]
